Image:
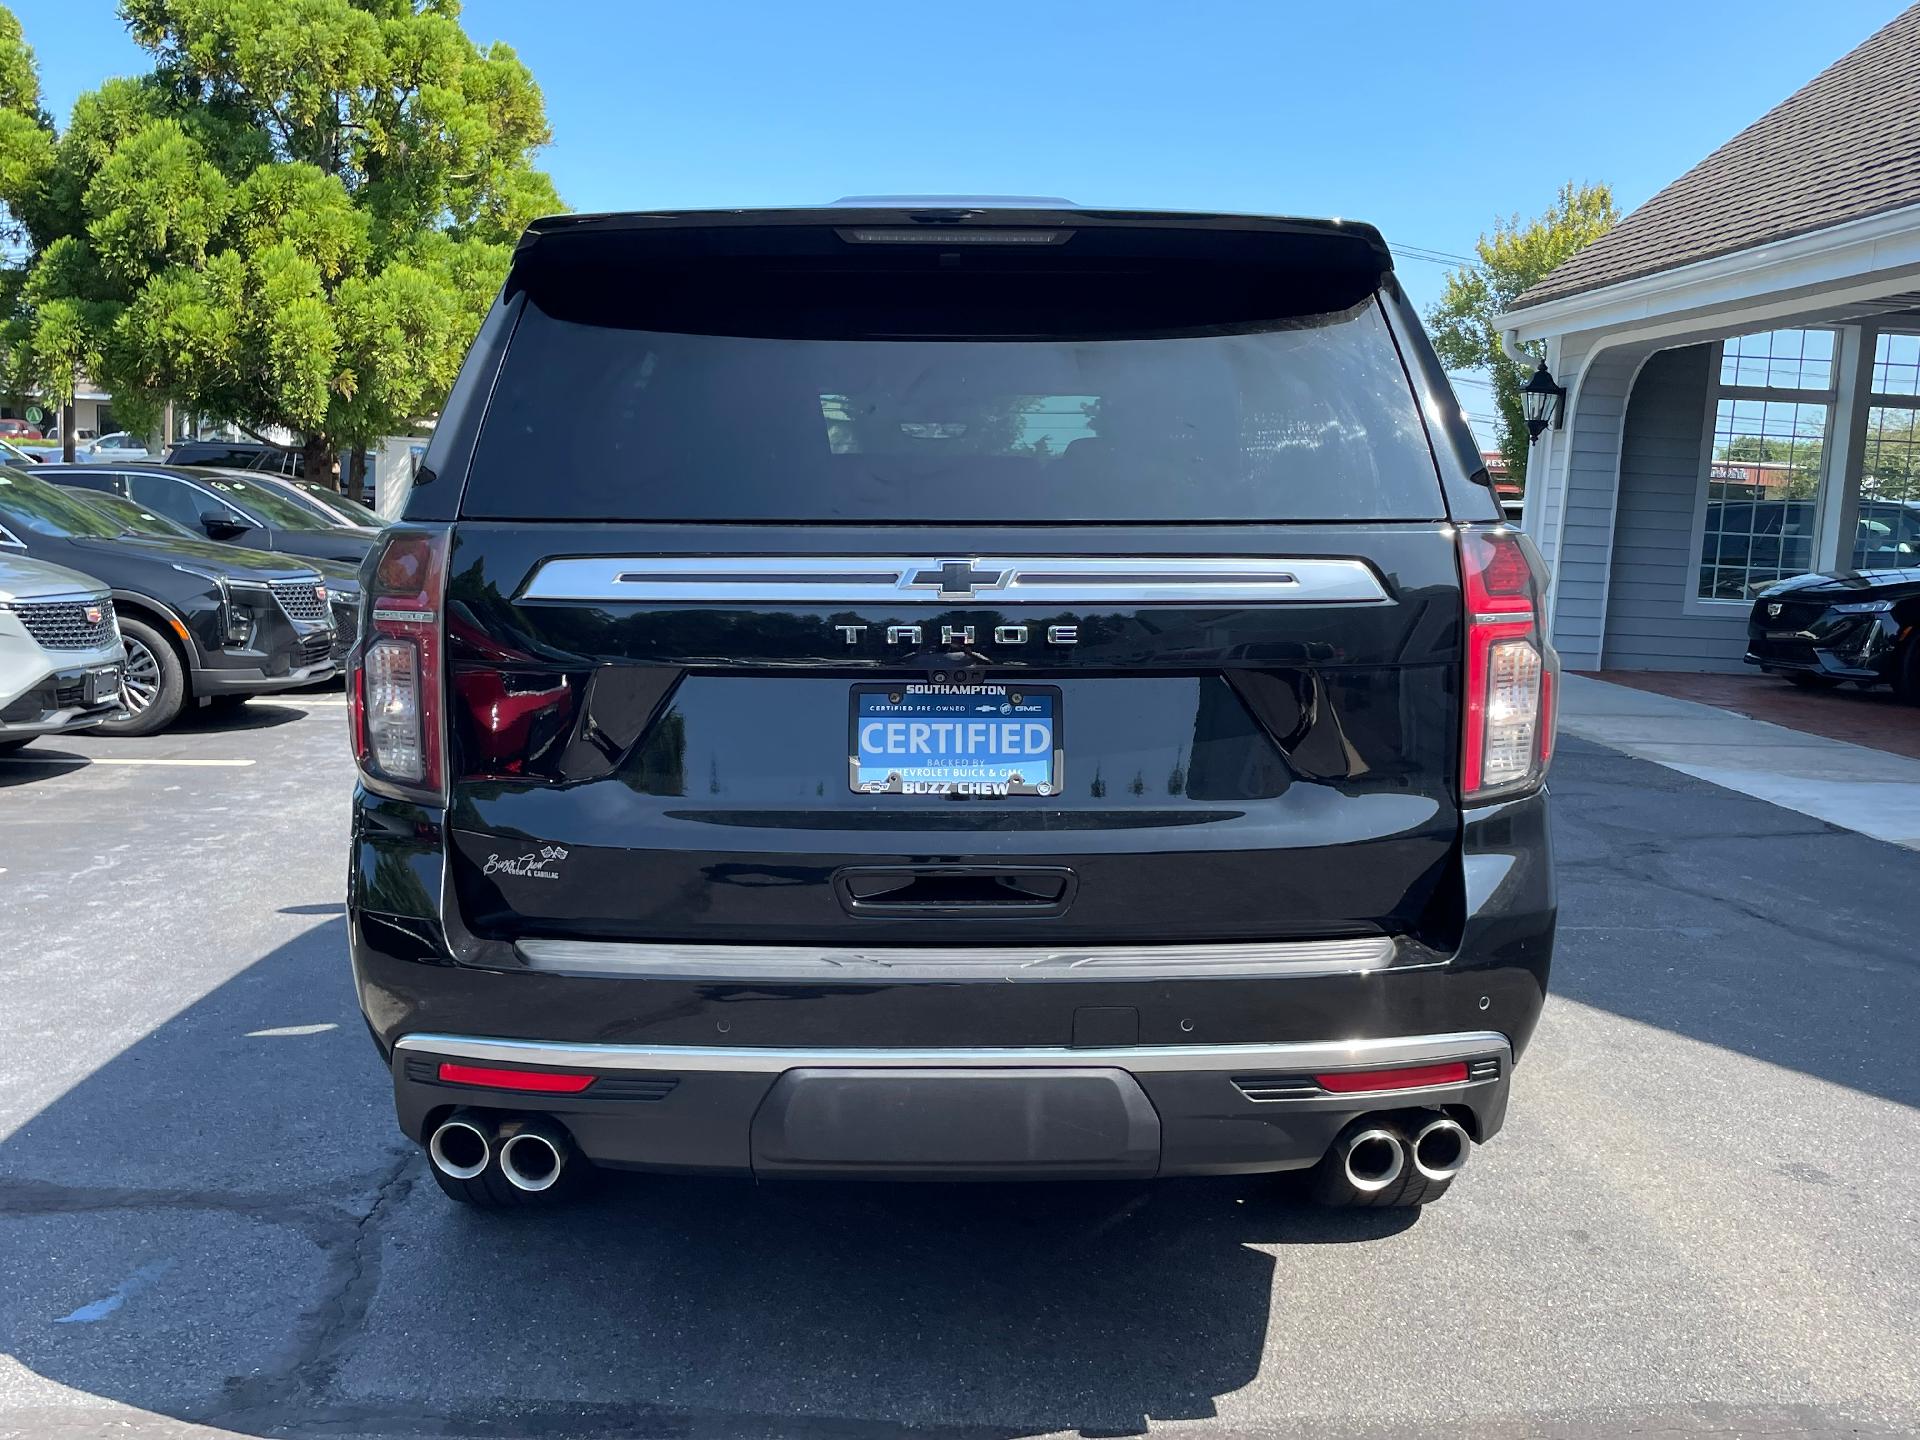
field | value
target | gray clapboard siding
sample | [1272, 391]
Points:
[1647, 625]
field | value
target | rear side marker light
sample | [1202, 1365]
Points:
[544, 1082]
[1409, 1077]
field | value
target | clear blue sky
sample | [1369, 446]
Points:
[1429, 120]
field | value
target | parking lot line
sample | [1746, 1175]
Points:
[117, 760]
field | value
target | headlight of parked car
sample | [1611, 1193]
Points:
[1863, 607]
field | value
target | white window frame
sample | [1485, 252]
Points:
[1869, 401]
[1840, 399]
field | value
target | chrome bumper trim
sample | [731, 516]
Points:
[1307, 1057]
[1019, 962]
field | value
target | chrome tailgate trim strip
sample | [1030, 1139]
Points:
[1140, 1059]
[1013, 580]
[1029, 962]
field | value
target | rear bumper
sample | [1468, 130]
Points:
[975, 1114]
[1144, 1030]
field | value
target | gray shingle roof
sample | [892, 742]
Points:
[1844, 146]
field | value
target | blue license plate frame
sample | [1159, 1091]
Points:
[944, 764]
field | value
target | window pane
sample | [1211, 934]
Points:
[1767, 461]
[1779, 360]
[1896, 365]
[1888, 535]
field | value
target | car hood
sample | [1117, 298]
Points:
[1841, 586]
[24, 579]
[230, 561]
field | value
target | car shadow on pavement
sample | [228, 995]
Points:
[1735, 922]
[222, 1224]
[259, 714]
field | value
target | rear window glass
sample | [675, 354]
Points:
[1306, 418]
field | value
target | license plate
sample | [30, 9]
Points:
[925, 738]
[103, 685]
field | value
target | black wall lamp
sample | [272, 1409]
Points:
[1544, 401]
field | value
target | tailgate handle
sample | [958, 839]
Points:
[950, 890]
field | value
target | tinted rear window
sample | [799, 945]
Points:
[614, 410]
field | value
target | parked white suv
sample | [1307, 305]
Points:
[61, 659]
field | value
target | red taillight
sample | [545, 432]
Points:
[1507, 725]
[545, 1082]
[1407, 1077]
[395, 685]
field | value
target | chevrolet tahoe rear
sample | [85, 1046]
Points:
[951, 692]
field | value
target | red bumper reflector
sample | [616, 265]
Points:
[1411, 1077]
[543, 1081]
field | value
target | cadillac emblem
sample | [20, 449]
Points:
[95, 614]
[1774, 609]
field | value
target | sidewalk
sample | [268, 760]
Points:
[1869, 791]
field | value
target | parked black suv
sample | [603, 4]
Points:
[201, 622]
[971, 692]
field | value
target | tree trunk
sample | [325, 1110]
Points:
[321, 461]
[66, 432]
[356, 486]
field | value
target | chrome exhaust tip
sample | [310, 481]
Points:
[533, 1155]
[459, 1148]
[1440, 1148]
[1372, 1159]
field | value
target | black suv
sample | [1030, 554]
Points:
[969, 692]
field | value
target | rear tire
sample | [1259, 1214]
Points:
[156, 681]
[1807, 680]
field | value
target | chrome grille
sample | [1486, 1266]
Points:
[65, 625]
[304, 600]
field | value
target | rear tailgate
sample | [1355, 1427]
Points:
[748, 510]
[1226, 770]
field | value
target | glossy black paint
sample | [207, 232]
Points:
[1795, 628]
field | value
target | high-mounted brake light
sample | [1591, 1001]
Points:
[1507, 729]
[395, 682]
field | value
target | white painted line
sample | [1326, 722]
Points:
[284, 1030]
[118, 760]
[339, 704]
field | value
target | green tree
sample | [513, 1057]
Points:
[1513, 256]
[298, 219]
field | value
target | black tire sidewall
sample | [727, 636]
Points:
[172, 696]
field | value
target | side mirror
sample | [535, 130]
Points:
[220, 527]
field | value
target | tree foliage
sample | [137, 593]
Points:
[297, 219]
[1513, 256]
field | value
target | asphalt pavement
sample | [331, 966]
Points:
[1702, 1217]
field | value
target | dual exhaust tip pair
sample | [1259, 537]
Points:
[532, 1152]
[1376, 1155]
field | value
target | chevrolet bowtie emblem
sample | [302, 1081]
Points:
[957, 579]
